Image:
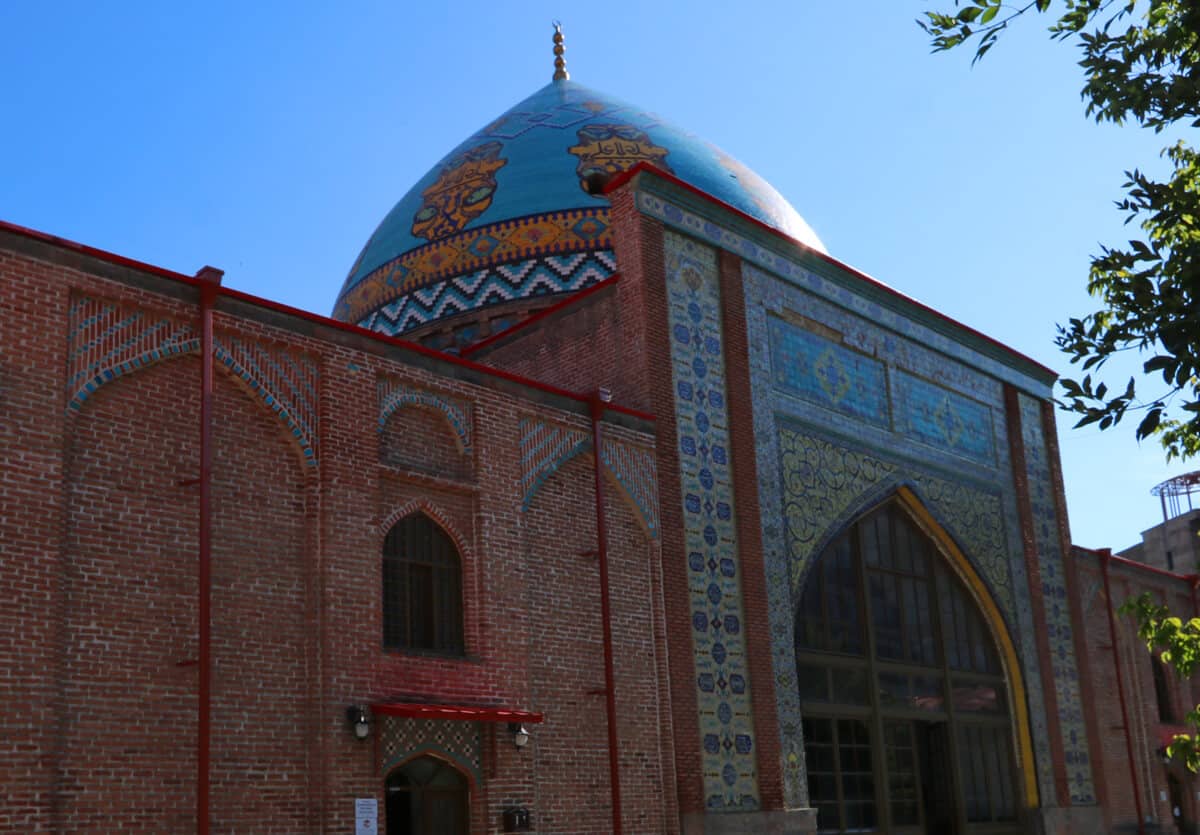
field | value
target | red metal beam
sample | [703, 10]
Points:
[209, 283]
[1107, 556]
[610, 684]
[625, 176]
[465, 713]
[267, 304]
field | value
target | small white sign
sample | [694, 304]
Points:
[366, 813]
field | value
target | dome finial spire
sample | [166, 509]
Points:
[560, 64]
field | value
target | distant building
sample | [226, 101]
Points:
[1174, 544]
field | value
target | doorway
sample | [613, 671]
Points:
[426, 796]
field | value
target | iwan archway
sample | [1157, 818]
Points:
[913, 710]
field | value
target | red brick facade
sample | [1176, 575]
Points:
[98, 631]
[1131, 753]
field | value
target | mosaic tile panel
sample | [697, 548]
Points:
[826, 373]
[395, 395]
[1056, 602]
[540, 276]
[767, 296]
[633, 468]
[107, 341]
[401, 739]
[698, 375]
[824, 483]
[678, 218]
[934, 415]
[545, 447]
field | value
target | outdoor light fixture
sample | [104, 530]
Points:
[358, 717]
[520, 735]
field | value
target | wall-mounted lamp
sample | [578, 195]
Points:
[520, 735]
[358, 717]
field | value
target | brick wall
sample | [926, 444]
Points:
[1101, 692]
[98, 560]
[575, 348]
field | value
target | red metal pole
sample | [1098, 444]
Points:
[1106, 554]
[211, 280]
[610, 689]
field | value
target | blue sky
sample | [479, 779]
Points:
[268, 139]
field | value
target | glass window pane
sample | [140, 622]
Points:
[814, 683]
[885, 609]
[978, 696]
[850, 685]
[893, 690]
[927, 693]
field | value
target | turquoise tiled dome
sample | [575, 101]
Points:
[505, 215]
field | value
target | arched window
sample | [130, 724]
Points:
[422, 588]
[905, 720]
[426, 796]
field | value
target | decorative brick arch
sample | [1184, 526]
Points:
[632, 471]
[439, 516]
[547, 447]
[265, 374]
[108, 341]
[458, 744]
[394, 396]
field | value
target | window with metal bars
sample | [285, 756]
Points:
[422, 588]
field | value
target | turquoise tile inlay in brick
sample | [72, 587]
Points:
[713, 568]
[826, 373]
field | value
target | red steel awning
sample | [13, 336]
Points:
[462, 713]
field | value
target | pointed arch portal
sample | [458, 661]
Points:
[427, 796]
[914, 715]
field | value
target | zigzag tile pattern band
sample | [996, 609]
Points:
[395, 395]
[107, 341]
[541, 276]
[473, 250]
[723, 702]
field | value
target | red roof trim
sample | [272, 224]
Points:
[625, 176]
[577, 296]
[258, 301]
[461, 713]
[1141, 566]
